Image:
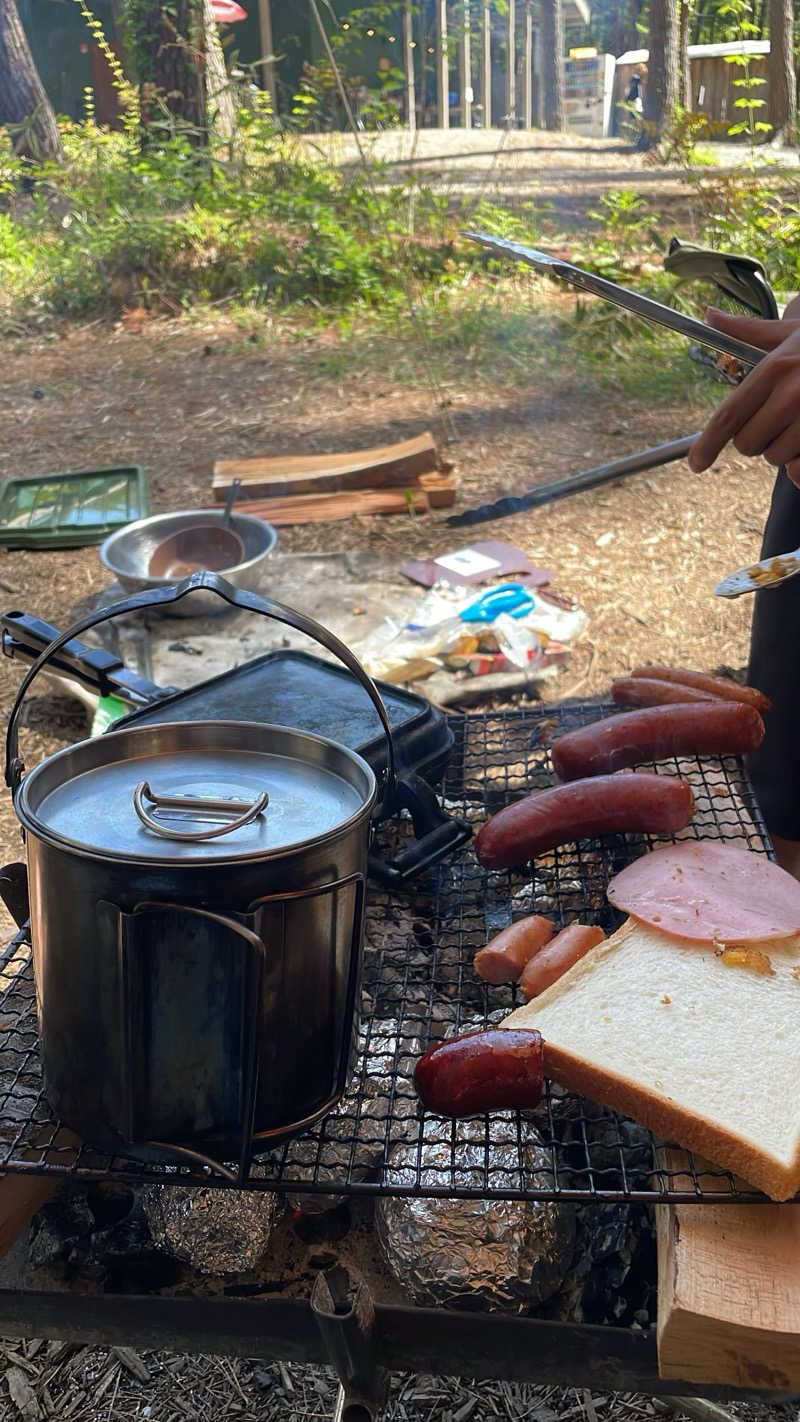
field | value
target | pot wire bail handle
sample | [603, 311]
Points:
[242, 814]
[237, 597]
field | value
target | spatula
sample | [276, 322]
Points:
[767, 574]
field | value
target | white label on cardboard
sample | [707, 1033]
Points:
[467, 562]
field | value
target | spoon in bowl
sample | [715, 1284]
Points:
[209, 546]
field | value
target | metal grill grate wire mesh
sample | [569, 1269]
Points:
[418, 984]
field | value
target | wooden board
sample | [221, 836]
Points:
[390, 465]
[729, 1293]
[22, 1195]
[328, 508]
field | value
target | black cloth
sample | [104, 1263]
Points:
[775, 669]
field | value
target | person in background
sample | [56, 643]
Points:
[762, 416]
[634, 94]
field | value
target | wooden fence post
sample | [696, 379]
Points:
[408, 61]
[538, 105]
[511, 74]
[527, 73]
[466, 67]
[442, 65]
[486, 63]
[267, 50]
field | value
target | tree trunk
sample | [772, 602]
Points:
[685, 97]
[23, 102]
[220, 106]
[782, 87]
[553, 65]
[661, 88]
[170, 60]
[622, 34]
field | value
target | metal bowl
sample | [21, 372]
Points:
[127, 555]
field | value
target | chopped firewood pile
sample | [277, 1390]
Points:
[409, 477]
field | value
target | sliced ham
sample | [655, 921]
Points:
[710, 892]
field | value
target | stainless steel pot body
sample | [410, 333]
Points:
[195, 999]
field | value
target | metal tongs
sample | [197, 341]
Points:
[770, 572]
[644, 306]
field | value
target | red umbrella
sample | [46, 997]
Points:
[227, 12]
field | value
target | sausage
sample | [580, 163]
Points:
[495, 1070]
[502, 960]
[642, 803]
[646, 691]
[568, 947]
[721, 686]
[654, 732]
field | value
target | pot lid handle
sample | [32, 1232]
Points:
[237, 597]
[236, 814]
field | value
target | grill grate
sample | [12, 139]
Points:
[419, 983]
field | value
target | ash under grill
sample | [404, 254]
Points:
[419, 984]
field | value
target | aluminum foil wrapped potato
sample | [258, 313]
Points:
[504, 1254]
[215, 1231]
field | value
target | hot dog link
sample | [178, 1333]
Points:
[709, 728]
[646, 691]
[494, 1070]
[568, 947]
[642, 804]
[720, 686]
[502, 960]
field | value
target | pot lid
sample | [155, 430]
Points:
[197, 802]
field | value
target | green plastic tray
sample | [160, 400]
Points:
[71, 510]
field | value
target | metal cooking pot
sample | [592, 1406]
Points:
[197, 913]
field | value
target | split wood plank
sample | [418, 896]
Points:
[20, 1197]
[729, 1293]
[389, 465]
[330, 508]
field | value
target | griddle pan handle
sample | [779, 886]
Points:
[237, 597]
[436, 834]
[26, 637]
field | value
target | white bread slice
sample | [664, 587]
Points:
[702, 1052]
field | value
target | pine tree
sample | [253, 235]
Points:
[553, 65]
[24, 105]
[168, 46]
[661, 89]
[782, 82]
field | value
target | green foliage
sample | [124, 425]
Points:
[742, 26]
[624, 221]
[173, 224]
[125, 90]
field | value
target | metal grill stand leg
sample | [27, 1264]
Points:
[345, 1316]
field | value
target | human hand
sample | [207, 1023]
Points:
[762, 416]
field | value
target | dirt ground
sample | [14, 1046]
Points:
[642, 555]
